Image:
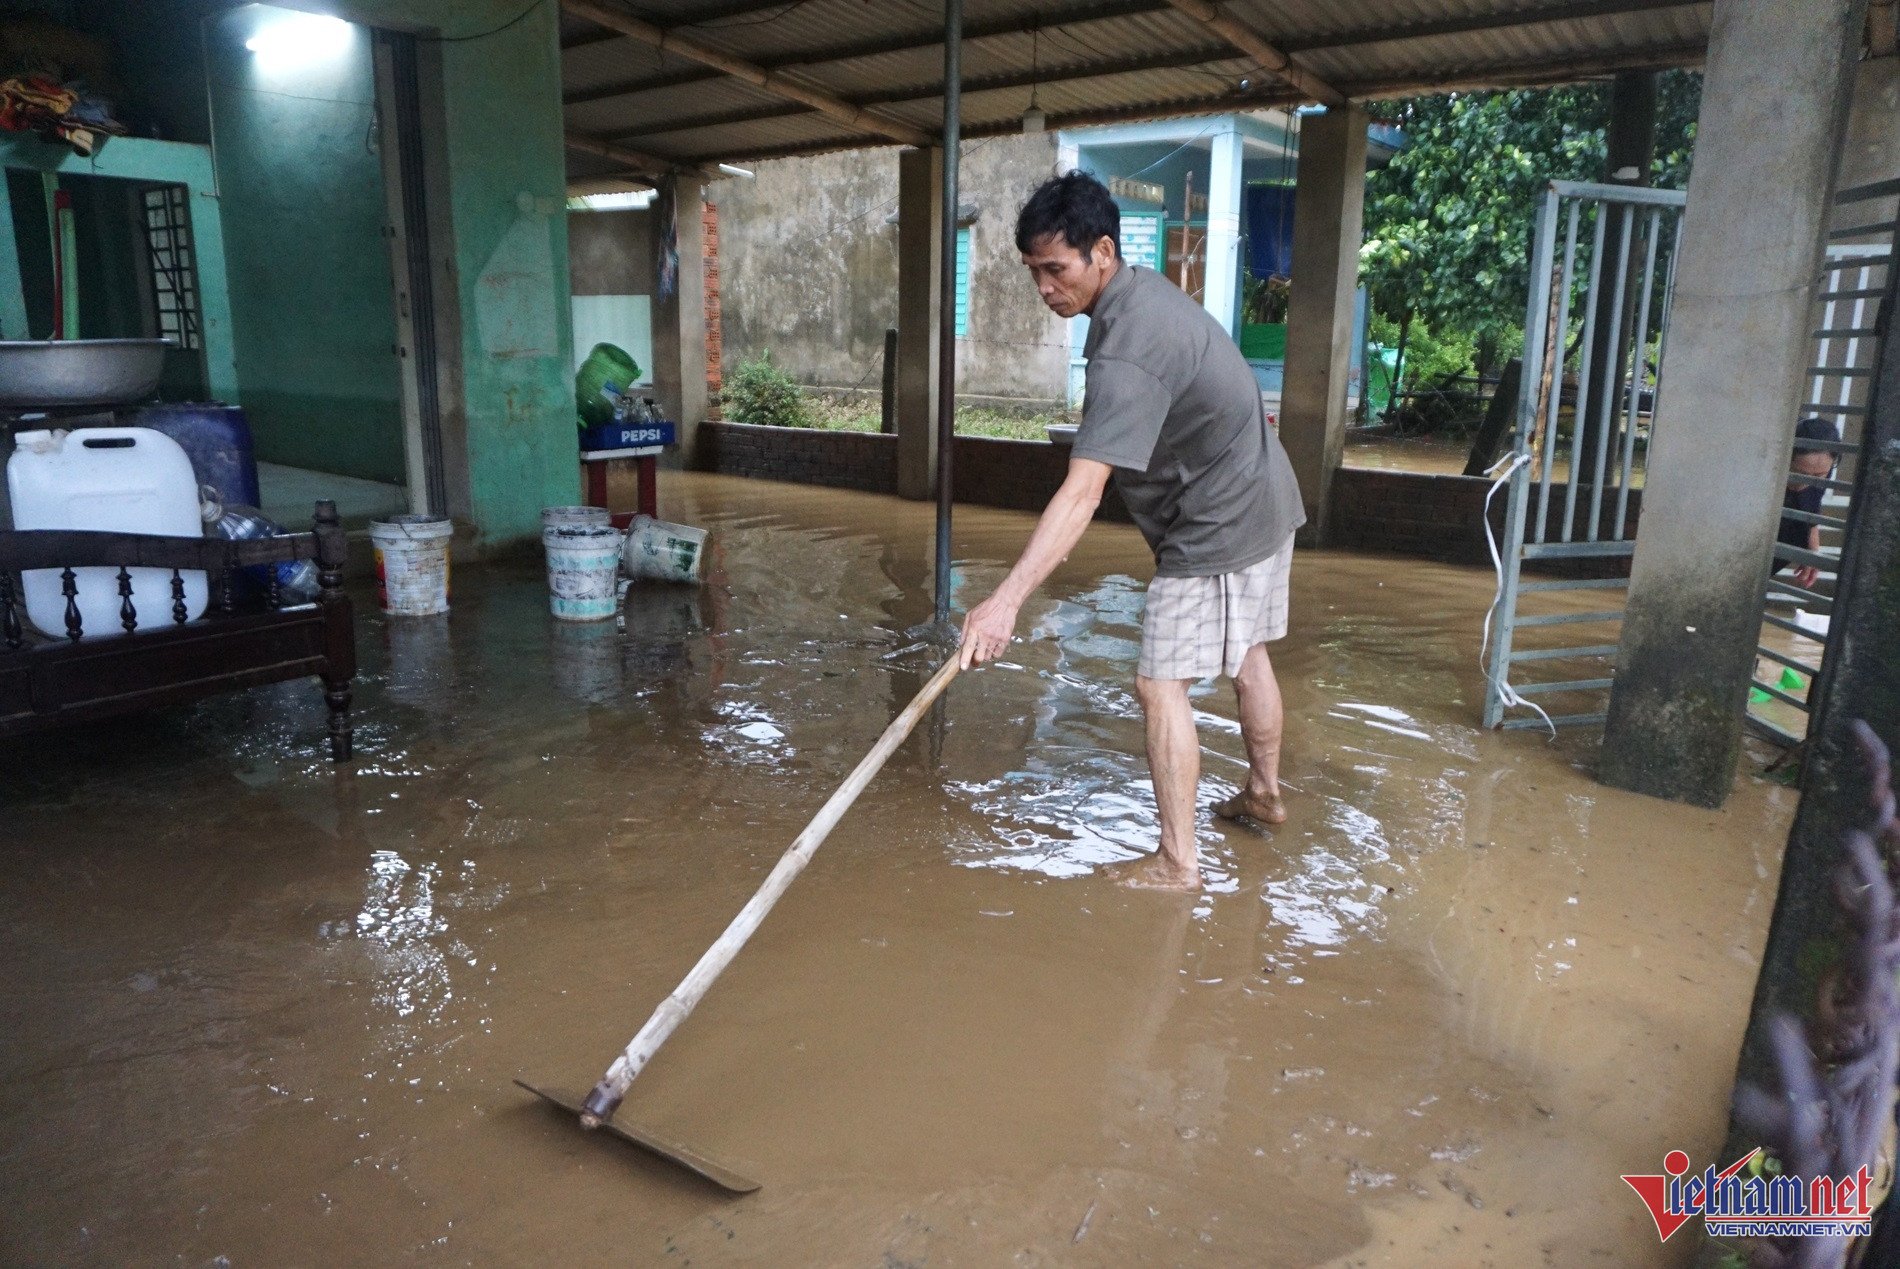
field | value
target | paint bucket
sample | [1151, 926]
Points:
[583, 566]
[552, 517]
[663, 552]
[412, 564]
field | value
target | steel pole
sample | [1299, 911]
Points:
[947, 304]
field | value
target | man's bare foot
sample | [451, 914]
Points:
[1157, 872]
[1248, 805]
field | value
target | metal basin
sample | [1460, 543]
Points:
[70, 372]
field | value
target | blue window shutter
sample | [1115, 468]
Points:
[963, 282]
[1141, 239]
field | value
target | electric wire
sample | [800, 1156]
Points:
[733, 23]
[515, 21]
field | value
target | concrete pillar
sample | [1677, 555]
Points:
[919, 289]
[1328, 220]
[1774, 103]
[1220, 294]
[679, 318]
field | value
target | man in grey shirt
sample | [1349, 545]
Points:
[1173, 413]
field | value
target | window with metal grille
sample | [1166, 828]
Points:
[174, 264]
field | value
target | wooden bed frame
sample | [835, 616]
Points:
[242, 640]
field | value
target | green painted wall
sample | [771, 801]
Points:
[509, 206]
[300, 185]
[501, 116]
[504, 248]
[124, 163]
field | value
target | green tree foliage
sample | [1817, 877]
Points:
[1449, 220]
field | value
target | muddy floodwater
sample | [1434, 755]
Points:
[261, 1010]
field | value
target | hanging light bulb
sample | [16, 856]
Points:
[1033, 118]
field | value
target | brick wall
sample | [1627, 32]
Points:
[865, 461]
[709, 222]
[1019, 475]
[1442, 517]
[1408, 513]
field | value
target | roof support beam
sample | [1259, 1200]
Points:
[709, 17]
[1244, 38]
[1564, 70]
[1576, 11]
[925, 92]
[637, 162]
[1493, 75]
[928, 37]
[758, 76]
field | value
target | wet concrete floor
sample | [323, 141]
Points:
[264, 1010]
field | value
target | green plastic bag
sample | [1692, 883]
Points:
[606, 364]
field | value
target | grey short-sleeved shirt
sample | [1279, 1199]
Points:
[1174, 408]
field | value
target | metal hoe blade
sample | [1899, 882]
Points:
[721, 1176]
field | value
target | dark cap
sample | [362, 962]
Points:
[1813, 429]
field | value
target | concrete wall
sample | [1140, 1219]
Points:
[1405, 513]
[808, 269]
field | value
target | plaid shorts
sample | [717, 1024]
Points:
[1198, 627]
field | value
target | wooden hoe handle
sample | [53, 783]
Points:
[607, 1095]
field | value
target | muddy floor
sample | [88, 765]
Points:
[265, 1011]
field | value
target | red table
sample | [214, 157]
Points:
[596, 464]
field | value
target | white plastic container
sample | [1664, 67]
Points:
[555, 516]
[117, 479]
[663, 552]
[412, 564]
[583, 567]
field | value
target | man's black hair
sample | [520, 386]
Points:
[1074, 206]
[1813, 429]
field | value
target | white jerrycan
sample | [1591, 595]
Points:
[118, 479]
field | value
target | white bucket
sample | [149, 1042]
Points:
[583, 565]
[412, 564]
[663, 552]
[551, 517]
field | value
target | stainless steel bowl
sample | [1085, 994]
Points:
[67, 372]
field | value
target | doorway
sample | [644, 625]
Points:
[316, 135]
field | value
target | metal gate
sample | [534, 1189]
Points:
[1855, 278]
[1602, 262]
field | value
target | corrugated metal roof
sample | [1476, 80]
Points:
[1089, 60]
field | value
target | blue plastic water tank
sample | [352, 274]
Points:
[218, 441]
